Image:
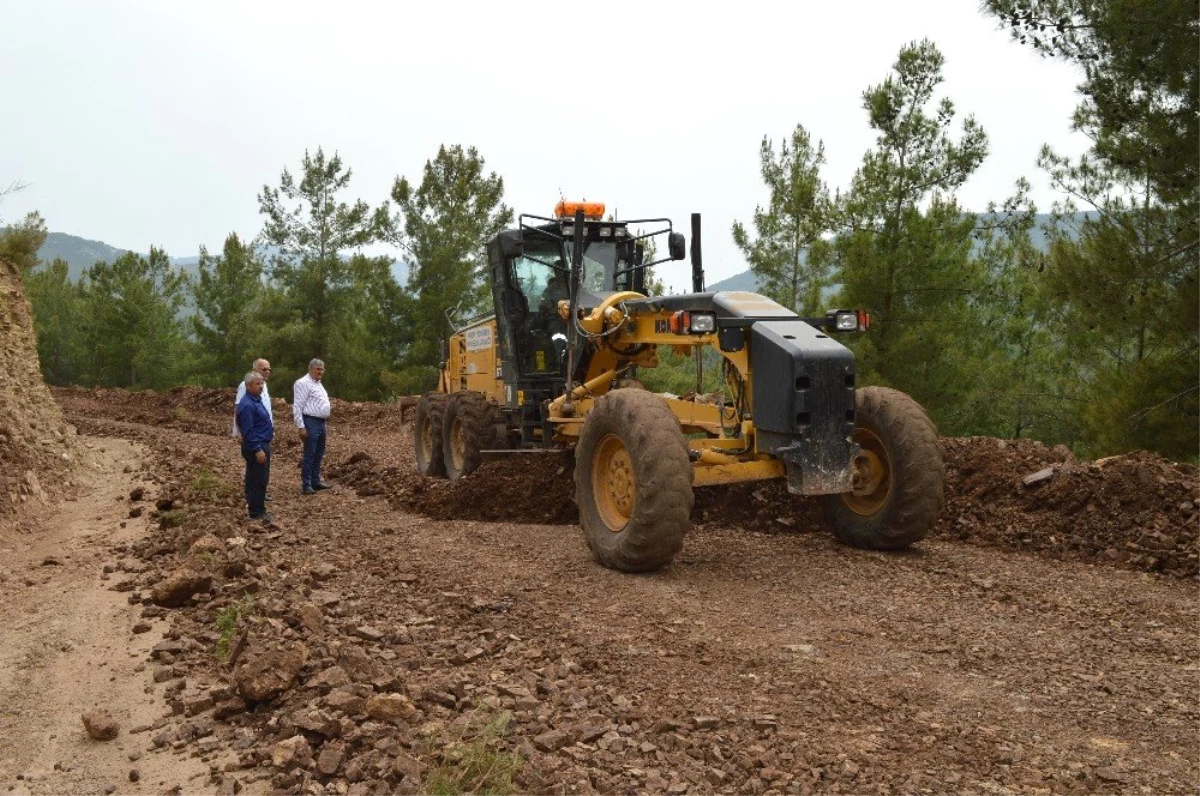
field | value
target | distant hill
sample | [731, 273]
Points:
[743, 281]
[747, 281]
[81, 254]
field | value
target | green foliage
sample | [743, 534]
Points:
[905, 251]
[1141, 83]
[789, 257]
[173, 518]
[470, 757]
[315, 285]
[1125, 289]
[443, 224]
[133, 320]
[1128, 308]
[226, 327]
[228, 621]
[19, 244]
[368, 344]
[59, 318]
[1018, 385]
[676, 373]
[209, 486]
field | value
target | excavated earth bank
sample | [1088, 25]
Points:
[36, 446]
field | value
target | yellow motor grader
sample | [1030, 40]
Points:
[555, 365]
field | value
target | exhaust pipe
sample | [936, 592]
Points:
[697, 260]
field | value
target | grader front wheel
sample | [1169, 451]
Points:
[897, 493]
[633, 481]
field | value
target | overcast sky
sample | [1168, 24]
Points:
[139, 123]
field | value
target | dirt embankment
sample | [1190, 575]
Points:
[36, 445]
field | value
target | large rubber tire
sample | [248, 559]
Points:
[466, 426]
[899, 476]
[427, 434]
[633, 481]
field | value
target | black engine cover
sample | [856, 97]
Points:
[802, 402]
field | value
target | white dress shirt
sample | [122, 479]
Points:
[309, 398]
[241, 392]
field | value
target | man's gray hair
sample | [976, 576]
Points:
[315, 363]
[252, 377]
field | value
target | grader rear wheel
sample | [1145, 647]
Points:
[466, 425]
[633, 481]
[897, 494]
[427, 435]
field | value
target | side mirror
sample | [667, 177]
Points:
[511, 243]
[676, 246]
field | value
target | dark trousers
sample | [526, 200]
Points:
[314, 451]
[257, 476]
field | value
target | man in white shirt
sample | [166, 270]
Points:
[263, 368]
[310, 411]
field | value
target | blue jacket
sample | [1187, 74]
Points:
[254, 422]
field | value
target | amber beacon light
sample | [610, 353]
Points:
[565, 209]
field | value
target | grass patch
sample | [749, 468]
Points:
[470, 756]
[173, 518]
[179, 413]
[209, 486]
[228, 619]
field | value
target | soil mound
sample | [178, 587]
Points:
[204, 410]
[36, 445]
[1137, 511]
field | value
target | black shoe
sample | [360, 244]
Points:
[308, 490]
[319, 487]
[267, 519]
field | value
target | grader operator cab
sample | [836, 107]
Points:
[555, 366]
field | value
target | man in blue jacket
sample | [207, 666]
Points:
[257, 430]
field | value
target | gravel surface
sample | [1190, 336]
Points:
[394, 629]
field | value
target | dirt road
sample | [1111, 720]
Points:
[759, 662]
[70, 646]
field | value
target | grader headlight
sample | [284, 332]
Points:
[685, 322]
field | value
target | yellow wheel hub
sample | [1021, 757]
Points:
[613, 483]
[458, 443]
[872, 478]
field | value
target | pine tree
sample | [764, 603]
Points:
[443, 225]
[59, 319]
[1127, 285]
[789, 257]
[133, 320]
[226, 326]
[1020, 388]
[314, 232]
[1127, 300]
[19, 243]
[905, 250]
